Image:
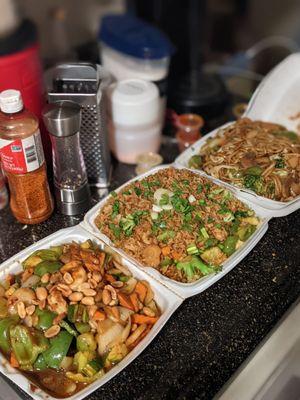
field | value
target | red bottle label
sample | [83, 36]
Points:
[22, 155]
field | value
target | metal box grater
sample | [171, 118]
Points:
[85, 84]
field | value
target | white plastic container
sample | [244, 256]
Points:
[166, 299]
[277, 99]
[135, 119]
[184, 290]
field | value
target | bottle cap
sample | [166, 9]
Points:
[11, 101]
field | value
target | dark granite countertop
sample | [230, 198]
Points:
[211, 334]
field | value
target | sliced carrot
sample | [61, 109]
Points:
[141, 290]
[143, 319]
[166, 250]
[135, 301]
[13, 361]
[125, 301]
[145, 333]
[109, 278]
[99, 316]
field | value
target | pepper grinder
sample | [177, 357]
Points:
[62, 120]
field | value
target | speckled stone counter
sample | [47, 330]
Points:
[211, 334]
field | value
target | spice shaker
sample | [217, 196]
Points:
[86, 84]
[62, 119]
[23, 161]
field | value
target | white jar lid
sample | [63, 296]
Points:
[11, 101]
[135, 102]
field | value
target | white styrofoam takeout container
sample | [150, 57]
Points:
[165, 298]
[276, 99]
[184, 290]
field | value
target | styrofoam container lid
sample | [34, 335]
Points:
[135, 102]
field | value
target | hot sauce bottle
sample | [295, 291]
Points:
[23, 161]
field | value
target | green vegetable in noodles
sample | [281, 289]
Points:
[280, 163]
[255, 171]
[288, 134]
[195, 161]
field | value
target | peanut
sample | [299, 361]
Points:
[89, 292]
[97, 276]
[106, 297]
[52, 331]
[88, 301]
[93, 283]
[30, 309]
[41, 293]
[68, 278]
[117, 284]
[21, 309]
[45, 278]
[28, 321]
[75, 296]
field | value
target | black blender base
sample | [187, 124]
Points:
[198, 93]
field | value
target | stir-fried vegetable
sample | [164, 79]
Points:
[75, 322]
[263, 157]
[186, 215]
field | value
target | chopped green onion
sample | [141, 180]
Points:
[192, 249]
[137, 190]
[204, 233]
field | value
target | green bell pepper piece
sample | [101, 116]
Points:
[68, 328]
[229, 246]
[58, 250]
[45, 267]
[78, 313]
[5, 325]
[27, 344]
[59, 347]
[45, 319]
[40, 363]
[82, 327]
[48, 255]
